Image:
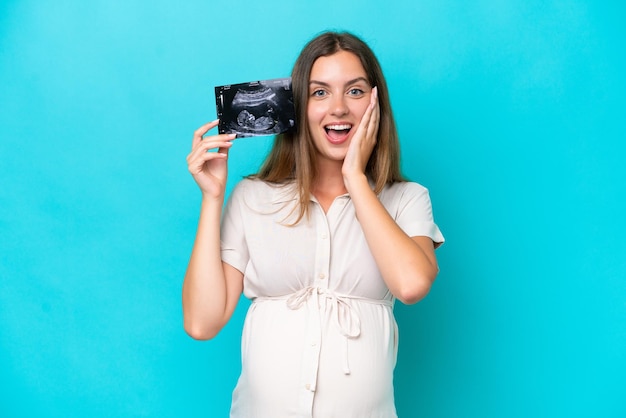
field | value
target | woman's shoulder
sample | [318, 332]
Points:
[258, 191]
[402, 189]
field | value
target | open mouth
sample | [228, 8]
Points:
[338, 132]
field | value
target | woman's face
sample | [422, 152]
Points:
[339, 94]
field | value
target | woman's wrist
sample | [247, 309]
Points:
[209, 200]
[355, 181]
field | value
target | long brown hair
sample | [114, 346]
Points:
[292, 157]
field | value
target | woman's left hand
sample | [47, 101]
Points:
[363, 141]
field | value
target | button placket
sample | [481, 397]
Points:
[315, 306]
[310, 364]
[322, 253]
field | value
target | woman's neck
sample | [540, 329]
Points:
[328, 184]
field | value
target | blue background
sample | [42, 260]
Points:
[511, 112]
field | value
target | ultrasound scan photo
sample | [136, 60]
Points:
[256, 108]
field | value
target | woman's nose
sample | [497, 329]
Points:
[339, 106]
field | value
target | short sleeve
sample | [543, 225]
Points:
[414, 214]
[233, 238]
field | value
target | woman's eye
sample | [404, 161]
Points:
[355, 92]
[318, 93]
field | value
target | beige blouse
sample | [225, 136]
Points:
[320, 338]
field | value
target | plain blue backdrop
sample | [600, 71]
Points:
[512, 113]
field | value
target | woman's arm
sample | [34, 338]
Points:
[408, 264]
[211, 288]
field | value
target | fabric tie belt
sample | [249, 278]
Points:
[346, 319]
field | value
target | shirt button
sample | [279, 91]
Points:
[324, 236]
[322, 276]
[307, 386]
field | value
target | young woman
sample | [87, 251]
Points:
[322, 240]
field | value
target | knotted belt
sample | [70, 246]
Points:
[346, 320]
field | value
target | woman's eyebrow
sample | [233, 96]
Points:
[354, 81]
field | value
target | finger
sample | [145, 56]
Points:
[223, 151]
[374, 95]
[196, 165]
[211, 142]
[214, 141]
[205, 146]
[365, 121]
[372, 130]
[201, 131]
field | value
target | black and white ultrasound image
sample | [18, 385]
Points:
[256, 108]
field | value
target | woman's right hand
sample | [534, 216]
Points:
[209, 169]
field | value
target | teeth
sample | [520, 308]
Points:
[339, 127]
